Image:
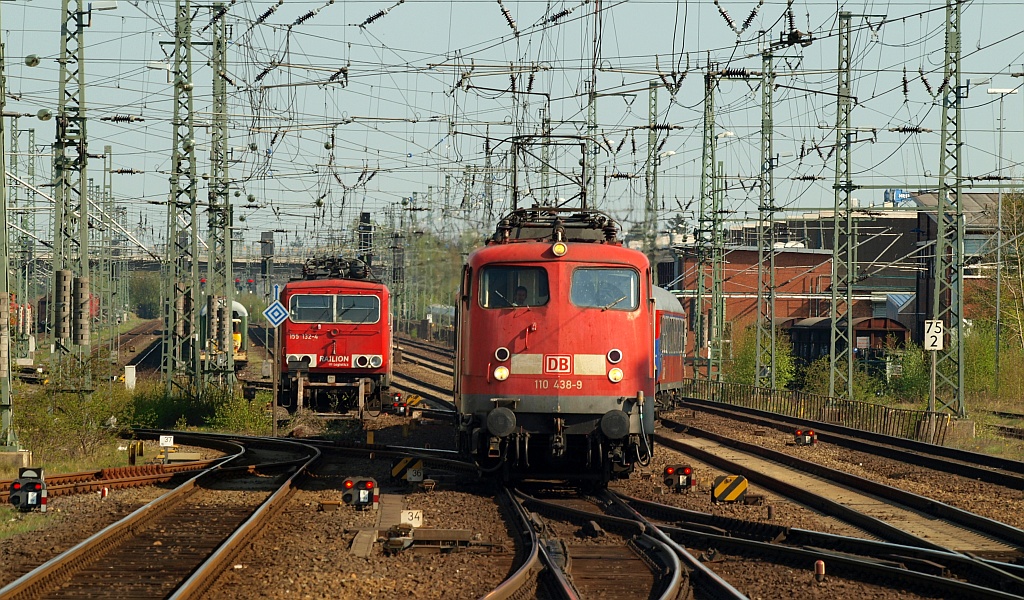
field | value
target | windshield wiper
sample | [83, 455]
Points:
[614, 302]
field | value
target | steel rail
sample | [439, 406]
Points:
[985, 573]
[875, 443]
[1001, 531]
[516, 586]
[704, 581]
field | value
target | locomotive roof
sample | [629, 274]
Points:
[540, 251]
[556, 224]
[341, 284]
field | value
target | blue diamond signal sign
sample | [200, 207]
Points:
[276, 313]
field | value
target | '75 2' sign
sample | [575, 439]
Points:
[934, 335]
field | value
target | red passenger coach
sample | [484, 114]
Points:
[555, 362]
[336, 342]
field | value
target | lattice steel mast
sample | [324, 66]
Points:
[220, 360]
[765, 374]
[180, 355]
[844, 261]
[651, 173]
[71, 210]
[704, 239]
[8, 440]
[947, 298]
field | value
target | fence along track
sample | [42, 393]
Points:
[188, 531]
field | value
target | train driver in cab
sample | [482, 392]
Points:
[519, 298]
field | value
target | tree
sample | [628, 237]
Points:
[144, 290]
[744, 362]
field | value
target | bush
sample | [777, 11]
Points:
[235, 414]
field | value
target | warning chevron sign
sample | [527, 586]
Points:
[410, 469]
[729, 488]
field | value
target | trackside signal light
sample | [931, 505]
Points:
[805, 438]
[678, 477]
[361, 492]
[559, 248]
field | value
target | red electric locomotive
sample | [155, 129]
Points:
[336, 342]
[556, 350]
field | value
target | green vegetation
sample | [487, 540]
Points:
[744, 365]
[145, 292]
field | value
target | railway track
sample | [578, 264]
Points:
[627, 556]
[886, 512]
[423, 360]
[178, 544]
[948, 574]
[438, 397]
[405, 341]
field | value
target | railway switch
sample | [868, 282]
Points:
[361, 492]
[805, 437]
[28, 491]
[679, 477]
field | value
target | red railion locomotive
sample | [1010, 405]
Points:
[336, 342]
[556, 370]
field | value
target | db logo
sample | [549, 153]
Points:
[558, 363]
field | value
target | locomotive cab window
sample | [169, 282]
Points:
[357, 309]
[510, 287]
[308, 308]
[326, 308]
[606, 288]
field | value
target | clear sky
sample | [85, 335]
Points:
[426, 83]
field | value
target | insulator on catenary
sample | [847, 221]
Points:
[122, 119]
[632, 140]
[942, 86]
[226, 78]
[264, 73]
[559, 15]
[621, 144]
[734, 73]
[662, 144]
[373, 17]
[529, 82]
[126, 171]
[924, 80]
[266, 14]
[608, 143]
[910, 129]
[305, 17]
[508, 17]
[512, 78]
[808, 177]
[906, 86]
[792, 18]
[725, 15]
[752, 15]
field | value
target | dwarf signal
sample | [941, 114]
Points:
[679, 477]
[28, 491]
[361, 492]
[805, 437]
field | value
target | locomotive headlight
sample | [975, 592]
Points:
[501, 373]
[559, 248]
[615, 375]
[376, 361]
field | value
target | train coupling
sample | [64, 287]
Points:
[494, 447]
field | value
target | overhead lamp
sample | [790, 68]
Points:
[32, 60]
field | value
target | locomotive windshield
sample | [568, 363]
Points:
[327, 308]
[505, 287]
[615, 289]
